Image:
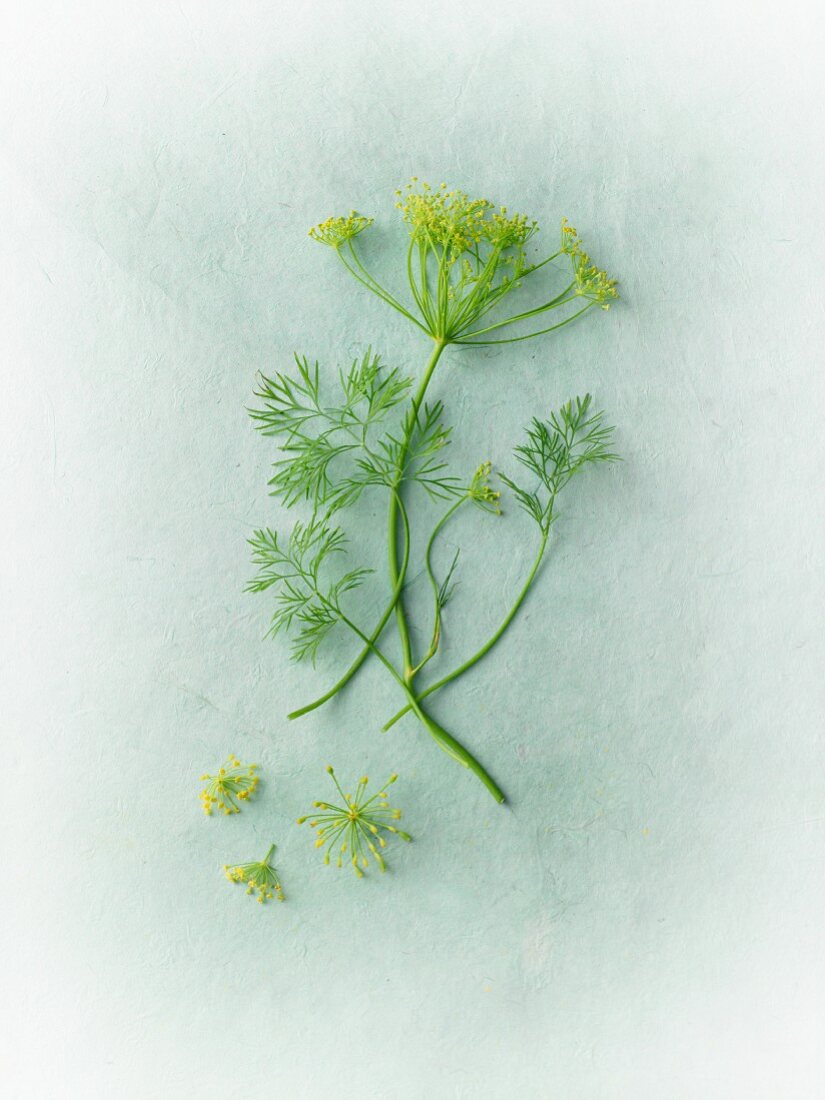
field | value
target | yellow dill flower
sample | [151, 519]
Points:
[358, 823]
[234, 783]
[261, 879]
[570, 242]
[337, 231]
[480, 491]
[593, 283]
[458, 223]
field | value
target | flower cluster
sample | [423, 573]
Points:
[259, 878]
[591, 282]
[480, 491]
[358, 824]
[337, 231]
[234, 783]
[458, 223]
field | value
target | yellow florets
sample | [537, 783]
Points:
[357, 824]
[337, 231]
[234, 783]
[480, 490]
[260, 879]
[457, 223]
[591, 281]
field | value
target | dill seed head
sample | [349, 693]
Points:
[234, 783]
[356, 826]
[261, 879]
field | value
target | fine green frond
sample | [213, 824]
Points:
[411, 454]
[289, 402]
[370, 392]
[529, 501]
[557, 449]
[305, 603]
[447, 586]
[317, 436]
[315, 622]
[307, 471]
[423, 462]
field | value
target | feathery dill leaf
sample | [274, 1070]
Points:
[555, 450]
[306, 604]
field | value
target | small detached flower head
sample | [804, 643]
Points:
[260, 879]
[234, 783]
[337, 231]
[358, 823]
[481, 493]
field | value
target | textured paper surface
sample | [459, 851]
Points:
[644, 918]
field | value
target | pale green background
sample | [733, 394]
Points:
[645, 919]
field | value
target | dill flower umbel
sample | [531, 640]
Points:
[466, 257]
[259, 878]
[234, 783]
[358, 824]
[336, 231]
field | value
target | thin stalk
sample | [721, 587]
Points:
[395, 499]
[468, 342]
[485, 649]
[373, 285]
[554, 303]
[436, 635]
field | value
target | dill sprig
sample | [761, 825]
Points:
[374, 428]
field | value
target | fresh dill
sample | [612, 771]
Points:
[371, 428]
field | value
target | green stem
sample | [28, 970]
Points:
[375, 287]
[376, 634]
[436, 635]
[443, 739]
[485, 649]
[554, 303]
[268, 855]
[468, 343]
[395, 500]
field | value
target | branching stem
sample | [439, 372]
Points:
[485, 649]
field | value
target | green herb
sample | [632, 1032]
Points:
[464, 261]
[358, 824]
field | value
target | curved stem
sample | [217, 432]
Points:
[485, 649]
[438, 598]
[376, 634]
[395, 500]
